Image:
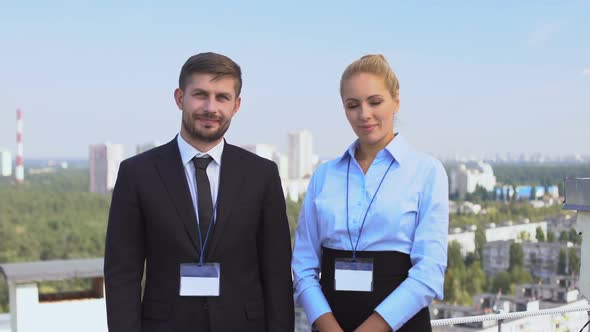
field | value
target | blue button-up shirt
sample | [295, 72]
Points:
[410, 214]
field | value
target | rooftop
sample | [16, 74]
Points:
[52, 270]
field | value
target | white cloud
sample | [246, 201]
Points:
[586, 72]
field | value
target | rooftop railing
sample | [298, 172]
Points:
[502, 317]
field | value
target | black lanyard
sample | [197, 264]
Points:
[354, 247]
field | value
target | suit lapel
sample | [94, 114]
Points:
[230, 181]
[171, 171]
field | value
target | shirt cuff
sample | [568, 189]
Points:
[403, 304]
[314, 302]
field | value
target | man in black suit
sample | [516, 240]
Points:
[205, 218]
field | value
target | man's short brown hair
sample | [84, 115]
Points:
[211, 63]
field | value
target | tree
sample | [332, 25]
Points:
[540, 235]
[475, 279]
[480, 194]
[574, 261]
[452, 284]
[454, 287]
[533, 193]
[561, 262]
[516, 256]
[501, 281]
[514, 196]
[480, 241]
[454, 257]
[550, 236]
[524, 236]
[539, 173]
[519, 275]
[3, 295]
[293, 209]
[462, 282]
[564, 236]
[470, 258]
[51, 216]
[574, 237]
[455, 276]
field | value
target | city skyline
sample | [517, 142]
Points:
[132, 149]
[475, 79]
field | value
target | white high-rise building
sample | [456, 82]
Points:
[5, 163]
[283, 164]
[263, 150]
[270, 152]
[140, 148]
[466, 177]
[300, 154]
[104, 166]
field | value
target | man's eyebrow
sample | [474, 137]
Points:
[198, 90]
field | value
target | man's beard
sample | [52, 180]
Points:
[188, 123]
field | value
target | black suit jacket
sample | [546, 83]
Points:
[152, 221]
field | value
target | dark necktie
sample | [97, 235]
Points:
[204, 201]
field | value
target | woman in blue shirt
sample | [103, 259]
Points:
[371, 243]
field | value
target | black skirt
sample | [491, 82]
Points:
[351, 309]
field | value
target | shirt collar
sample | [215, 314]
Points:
[398, 148]
[188, 152]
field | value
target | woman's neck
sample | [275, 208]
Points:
[366, 153]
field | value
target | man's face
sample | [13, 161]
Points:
[207, 107]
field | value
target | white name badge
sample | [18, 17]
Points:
[354, 276]
[199, 280]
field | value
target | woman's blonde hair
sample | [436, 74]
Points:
[375, 64]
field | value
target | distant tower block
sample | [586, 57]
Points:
[20, 170]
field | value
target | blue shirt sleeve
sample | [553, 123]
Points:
[306, 259]
[429, 254]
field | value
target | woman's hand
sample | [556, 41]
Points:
[375, 323]
[327, 323]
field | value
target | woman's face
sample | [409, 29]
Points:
[370, 108]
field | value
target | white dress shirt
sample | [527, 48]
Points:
[187, 153]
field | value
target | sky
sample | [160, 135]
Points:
[475, 77]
